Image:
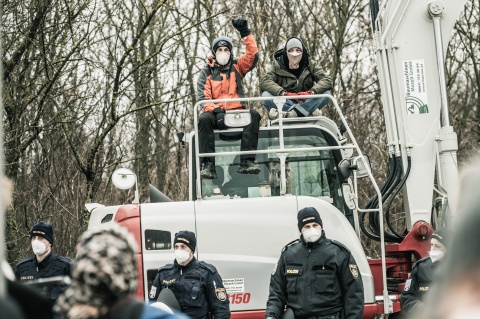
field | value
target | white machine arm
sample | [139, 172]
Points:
[410, 39]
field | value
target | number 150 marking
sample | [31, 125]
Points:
[239, 298]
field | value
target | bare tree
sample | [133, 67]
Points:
[94, 85]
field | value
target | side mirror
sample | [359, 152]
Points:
[362, 164]
[180, 137]
[123, 178]
[348, 195]
[345, 169]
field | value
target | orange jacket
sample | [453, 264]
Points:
[225, 82]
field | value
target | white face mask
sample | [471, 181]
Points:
[294, 59]
[223, 58]
[38, 247]
[182, 256]
[436, 255]
[311, 235]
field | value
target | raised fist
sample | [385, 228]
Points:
[242, 26]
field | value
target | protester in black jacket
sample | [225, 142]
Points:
[315, 277]
[421, 277]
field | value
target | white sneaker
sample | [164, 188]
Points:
[273, 114]
[317, 112]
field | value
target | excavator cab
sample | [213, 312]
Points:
[309, 172]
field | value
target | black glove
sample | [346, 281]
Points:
[242, 26]
[220, 115]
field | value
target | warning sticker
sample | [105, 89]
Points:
[415, 86]
[234, 285]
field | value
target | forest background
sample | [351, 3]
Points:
[94, 85]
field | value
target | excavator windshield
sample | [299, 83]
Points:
[309, 173]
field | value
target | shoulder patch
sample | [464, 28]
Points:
[289, 244]
[166, 267]
[153, 291]
[408, 283]
[353, 270]
[207, 266]
[221, 294]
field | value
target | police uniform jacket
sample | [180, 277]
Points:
[418, 284]
[197, 286]
[53, 265]
[316, 279]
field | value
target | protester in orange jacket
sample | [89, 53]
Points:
[222, 79]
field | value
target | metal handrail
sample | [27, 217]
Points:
[282, 152]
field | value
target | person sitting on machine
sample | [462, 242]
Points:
[293, 73]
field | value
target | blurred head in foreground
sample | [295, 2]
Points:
[457, 294]
[104, 272]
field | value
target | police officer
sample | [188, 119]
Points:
[196, 285]
[315, 277]
[44, 263]
[420, 280]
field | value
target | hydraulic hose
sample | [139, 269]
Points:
[389, 204]
[375, 221]
[373, 233]
[374, 216]
[397, 179]
[391, 170]
[365, 230]
[433, 221]
[373, 12]
[392, 237]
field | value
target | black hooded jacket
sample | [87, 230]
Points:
[280, 78]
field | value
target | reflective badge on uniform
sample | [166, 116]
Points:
[221, 294]
[274, 269]
[407, 285]
[152, 293]
[354, 270]
[293, 272]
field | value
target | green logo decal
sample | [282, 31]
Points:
[415, 105]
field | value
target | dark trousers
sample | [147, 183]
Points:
[206, 138]
[333, 316]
